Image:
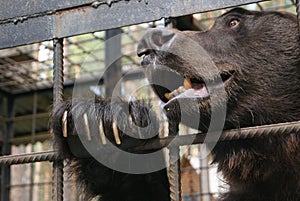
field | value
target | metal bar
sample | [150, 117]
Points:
[68, 85]
[57, 190]
[2, 119]
[29, 158]
[298, 14]
[12, 9]
[234, 134]
[6, 150]
[204, 174]
[113, 65]
[90, 18]
[33, 136]
[34, 117]
[227, 135]
[58, 77]
[174, 169]
[40, 137]
[31, 116]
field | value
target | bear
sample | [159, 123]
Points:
[244, 71]
[250, 61]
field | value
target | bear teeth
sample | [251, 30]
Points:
[187, 84]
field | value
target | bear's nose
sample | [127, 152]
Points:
[155, 40]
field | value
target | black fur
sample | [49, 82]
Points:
[261, 52]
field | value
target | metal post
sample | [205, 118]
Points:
[57, 189]
[33, 132]
[175, 179]
[298, 13]
[6, 150]
[1, 120]
[113, 54]
[204, 173]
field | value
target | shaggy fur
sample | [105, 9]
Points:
[258, 58]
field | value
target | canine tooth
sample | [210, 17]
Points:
[102, 133]
[64, 123]
[116, 132]
[180, 89]
[86, 123]
[168, 96]
[187, 83]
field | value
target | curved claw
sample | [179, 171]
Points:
[116, 132]
[64, 123]
[102, 133]
[86, 123]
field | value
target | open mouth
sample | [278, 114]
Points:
[195, 88]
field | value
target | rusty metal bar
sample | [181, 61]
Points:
[234, 134]
[6, 149]
[298, 14]
[34, 8]
[227, 135]
[174, 170]
[29, 158]
[57, 190]
[84, 18]
[113, 63]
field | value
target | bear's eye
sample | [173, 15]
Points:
[233, 23]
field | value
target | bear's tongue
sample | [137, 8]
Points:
[188, 90]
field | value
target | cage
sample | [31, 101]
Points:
[47, 48]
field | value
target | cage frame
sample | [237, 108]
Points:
[19, 26]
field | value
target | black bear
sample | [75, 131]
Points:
[248, 61]
[256, 55]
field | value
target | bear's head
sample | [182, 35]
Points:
[247, 65]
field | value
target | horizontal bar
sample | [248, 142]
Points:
[188, 139]
[10, 9]
[28, 158]
[227, 135]
[154, 144]
[69, 84]
[89, 18]
[26, 139]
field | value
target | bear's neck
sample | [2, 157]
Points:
[254, 166]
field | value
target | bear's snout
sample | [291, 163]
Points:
[155, 40]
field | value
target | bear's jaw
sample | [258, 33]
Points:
[197, 88]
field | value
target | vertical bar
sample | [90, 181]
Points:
[175, 177]
[298, 13]
[6, 150]
[1, 119]
[2, 131]
[113, 55]
[58, 78]
[57, 189]
[204, 173]
[33, 132]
